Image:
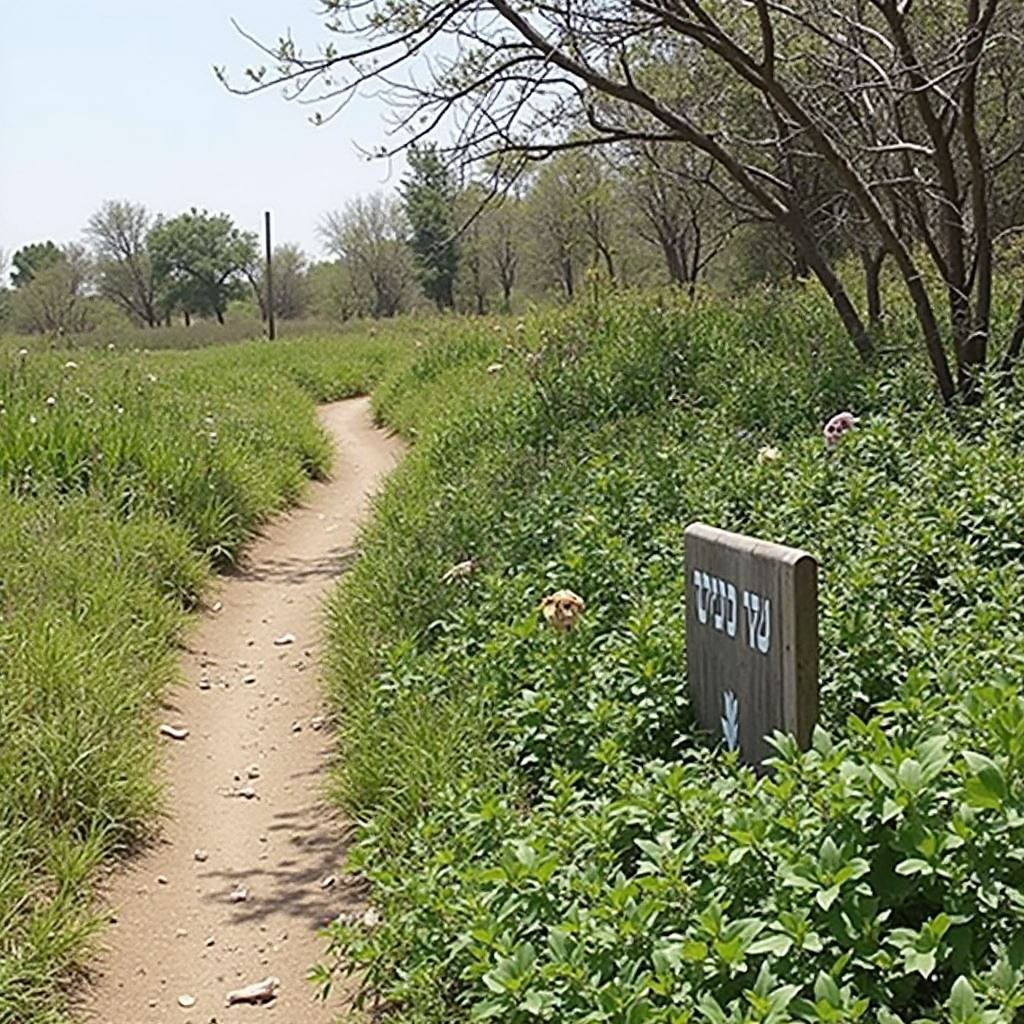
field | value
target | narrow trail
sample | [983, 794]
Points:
[244, 787]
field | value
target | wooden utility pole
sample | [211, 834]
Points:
[271, 332]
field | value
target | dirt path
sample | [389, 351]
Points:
[252, 703]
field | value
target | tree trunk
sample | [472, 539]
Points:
[609, 262]
[568, 280]
[220, 315]
[872, 264]
[188, 318]
[675, 262]
[809, 253]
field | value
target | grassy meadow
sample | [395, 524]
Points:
[125, 479]
[547, 837]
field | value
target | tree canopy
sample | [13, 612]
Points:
[429, 195]
[31, 259]
[201, 261]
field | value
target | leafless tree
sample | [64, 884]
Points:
[928, 80]
[117, 232]
[369, 235]
[681, 209]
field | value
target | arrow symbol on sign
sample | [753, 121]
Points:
[731, 720]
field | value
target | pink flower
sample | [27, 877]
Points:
[837, 426]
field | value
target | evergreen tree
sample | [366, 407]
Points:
[429, 194]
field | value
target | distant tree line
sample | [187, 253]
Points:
[633, 216]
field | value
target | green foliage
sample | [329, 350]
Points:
[123, 478]
[200, 260]
[429, 195]
[547, 836]
[30, 259]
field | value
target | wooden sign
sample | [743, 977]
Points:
[751, 639]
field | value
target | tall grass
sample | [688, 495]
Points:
[124, 478]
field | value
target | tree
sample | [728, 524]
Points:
[118, 232]
[200, 261]
[905, 106]
[333, 293]
[369, 237]
[53, 299]
[429, 196]
[291, 286]
[502, 233]
[31, 259]
[474, 278]
[5, 294]
[557, 229]
[679, 205]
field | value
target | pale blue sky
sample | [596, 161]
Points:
[110, 99]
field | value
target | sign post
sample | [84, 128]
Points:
[751, 639]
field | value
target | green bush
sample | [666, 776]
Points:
[547, 836]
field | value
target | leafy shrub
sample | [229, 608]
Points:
[547, 835]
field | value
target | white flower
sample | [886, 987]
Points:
[71, 365]
[51, 401]
[22, 352]
[32, 419]
[769, 453]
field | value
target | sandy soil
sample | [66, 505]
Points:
[245, 806]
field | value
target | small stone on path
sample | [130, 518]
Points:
[284, 640]
[258, 992]
[174, 732]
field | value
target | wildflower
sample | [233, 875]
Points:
[837, 426]
[51, 401]
[110, 346]
[32, 420]
[769, 453]
[22, 352]
[71, 365]
[151, 377]
[562, 609]
[495, 367]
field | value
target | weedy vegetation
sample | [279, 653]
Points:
[547, 836]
